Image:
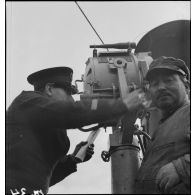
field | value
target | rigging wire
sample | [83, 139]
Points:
[89, 22]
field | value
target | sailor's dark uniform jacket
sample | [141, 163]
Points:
[36, 138]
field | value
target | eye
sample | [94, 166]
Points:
[168, 80]
[153, 83]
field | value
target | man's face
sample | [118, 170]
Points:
[167, 89]
[60, 94]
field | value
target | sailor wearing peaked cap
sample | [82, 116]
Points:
[59, 76]
[36, 129]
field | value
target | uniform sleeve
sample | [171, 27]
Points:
[63, 169]
[41, 110]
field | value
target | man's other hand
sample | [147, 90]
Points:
[167, 177]
[89, 151]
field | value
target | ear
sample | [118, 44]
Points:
[187, 86]
[48, 89]
[186, 83]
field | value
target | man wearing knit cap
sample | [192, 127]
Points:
[36, 139]
[166, 164]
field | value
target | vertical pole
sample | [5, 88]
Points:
[124, 156]
[124, 166]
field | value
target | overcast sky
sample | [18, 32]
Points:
[46, 34]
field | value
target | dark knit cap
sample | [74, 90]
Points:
[170, 63]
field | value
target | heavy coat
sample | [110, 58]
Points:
[36, 138]
[170, 143]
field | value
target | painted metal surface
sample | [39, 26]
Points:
[125, 163]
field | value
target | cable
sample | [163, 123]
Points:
[89, 22]
[90, 129]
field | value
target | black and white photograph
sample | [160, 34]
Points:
[97, 97]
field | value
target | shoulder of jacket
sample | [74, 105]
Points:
[26, 96]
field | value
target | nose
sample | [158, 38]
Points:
[161, 85]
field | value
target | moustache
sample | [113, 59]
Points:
[162, 94]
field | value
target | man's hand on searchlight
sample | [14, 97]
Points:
[135, 100]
